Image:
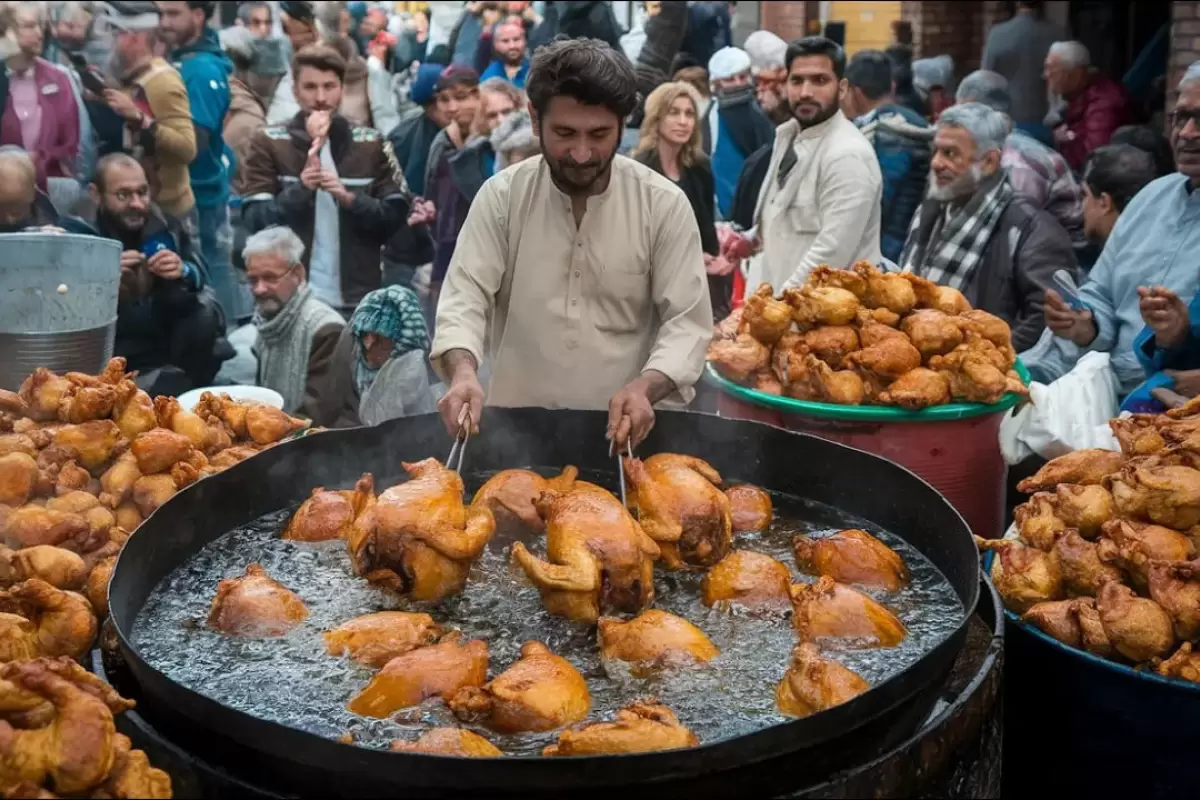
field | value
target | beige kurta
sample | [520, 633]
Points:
[568, 316]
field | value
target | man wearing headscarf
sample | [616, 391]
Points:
[767, 51]
[735, 126]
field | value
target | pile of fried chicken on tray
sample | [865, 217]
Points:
[420, 538]
[862, 336]
[1106, 555]
[83, 460]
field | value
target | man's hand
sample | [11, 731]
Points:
[312, 176]
[1168, 398]
[1063, 135]
[1165, 314]
[631, 410]
[423, 212]
[332, 184]
[131, 260]
[166, 265]
[1187, 382]
[718, 265]
[1066, 322]
[122, 105]
[465, 395]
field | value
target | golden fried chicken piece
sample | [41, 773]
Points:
[117, 482]
[1184, 664]
[653, 640]
[917, 389]
[829, 610]
[202, 436]
[831, 343]
[99, 519]
[226, 409]
[641, 727]
[230, 457]
[1138, 435]
[1058, 619]
[765, 382]
[94, 443]
[1038, 522]
[1138, 629]
[932, 332]
[820, 383]
[1024, 576]
[267, 424]
[128, 516]
[38, 620]
[152, 491]
[1083, 467]
[854, 557]
[1083, 572]
[990, 327]
[323, 516]
[255, 605]
[1085, 508]
[972, 373]
[1176, 587]
[738, 359]
[97, 585]
[132, 776]
[598, 558]
[887, 359]
[941, 298]
[18, 475]
[891, 291]
[375, 639]
[160, 449]
[133, 411]
[813, 307]
[43, 393]
[749, 508]
[439, 670]
[1169, 496]
[1091, 629]
[13, 407]
[813, 683]
[85, 402]
[425, 538]
[511, 495]
[681, 508]
[872, 330]
[748, 579]
[826, 276]
[17, 443]
[74, 478]
[729, 327]
[449, 742]
[31, 525]
[57, 566]
[765, 318]
[540, 692]
[1133, 545]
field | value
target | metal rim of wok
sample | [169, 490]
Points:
[947, 412]
[853, 481]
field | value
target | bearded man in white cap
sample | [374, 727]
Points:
[735, 127]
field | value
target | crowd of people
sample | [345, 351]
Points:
[533, 199]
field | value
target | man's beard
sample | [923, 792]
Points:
[825, 113]
[128, 226]
[573, 177]
[268, 307]
[514, 58]
[960, 188]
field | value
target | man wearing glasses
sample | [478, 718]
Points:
[1154, 244]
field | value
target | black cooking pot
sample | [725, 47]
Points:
[764, 763]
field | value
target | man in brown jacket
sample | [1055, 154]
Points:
[343, 193]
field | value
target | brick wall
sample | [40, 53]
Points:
[1185, 43]
[947, 27]
[784, 19]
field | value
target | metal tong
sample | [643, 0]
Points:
[621, 465]
[459, 448]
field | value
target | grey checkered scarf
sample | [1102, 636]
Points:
[947, 251]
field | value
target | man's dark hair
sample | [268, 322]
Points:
[100, 175]
[1149, 140]
[320, 57]
[246, 10]
[1118, 170]
[456, 75]
[818, 46]
[207, 6]
[870, 71]
[587, 70]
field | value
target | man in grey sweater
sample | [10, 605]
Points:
[1017, 50]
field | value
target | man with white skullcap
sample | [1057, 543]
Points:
[737, 126]
[767, 65]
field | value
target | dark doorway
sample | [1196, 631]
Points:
[1117, 34]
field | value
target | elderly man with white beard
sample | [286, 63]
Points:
[974, 234]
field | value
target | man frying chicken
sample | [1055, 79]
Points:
[580, 271]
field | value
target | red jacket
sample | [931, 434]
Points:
[58, 143]
[1092, 116]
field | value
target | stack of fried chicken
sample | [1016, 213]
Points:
[420, 538]
[1106, 558]
[862, 336]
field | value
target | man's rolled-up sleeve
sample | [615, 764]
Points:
[679, 289]
[473, 278]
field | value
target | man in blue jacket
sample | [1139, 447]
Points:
[205, 69]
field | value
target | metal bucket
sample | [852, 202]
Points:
[58, 303]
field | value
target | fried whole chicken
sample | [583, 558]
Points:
[831, 343]
[160, 449]
[1166, 495]
[1132, 546]
[97, 584]
[749, 508]
[268, 425]
[1082, 467]
[323, 516]
[43, 393]
[891, 291]
[1085, 508]
[1183, 664]
[830, 610]
[813, 683]
[88, 399]
[1138, 435]
[854, 557]
[739, 358]
[816, 306]
[255, 605]
[94, 443]
[33, 525]
[681, 508]
[821, 383]
[117, 482]
[1083, 573]
[57, 566]
[225, 409]
[539, 692]
[203, 437]
[826, 276]
[764, 317]
[1038, 521]
[38, 620]
[133, 410]
[932, 332]
[439, 670]
[449, 742]
[424, 539]
[375, 639]
[888, 359]
[1024, 576]
[974, 375]
[917, 389]
[752, 580]
[653, 640]
[1137, 628]
[941, 298]
[132, 775]
[1058, 619]
[18, 477]
[511, 495]
[1176, 588]
[598, 558]
[641, 727]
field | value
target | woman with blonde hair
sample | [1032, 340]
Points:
[671, 145]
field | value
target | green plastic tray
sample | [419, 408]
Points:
[943, 413]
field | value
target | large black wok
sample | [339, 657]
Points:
[765, 763]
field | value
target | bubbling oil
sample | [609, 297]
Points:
[291, 680]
